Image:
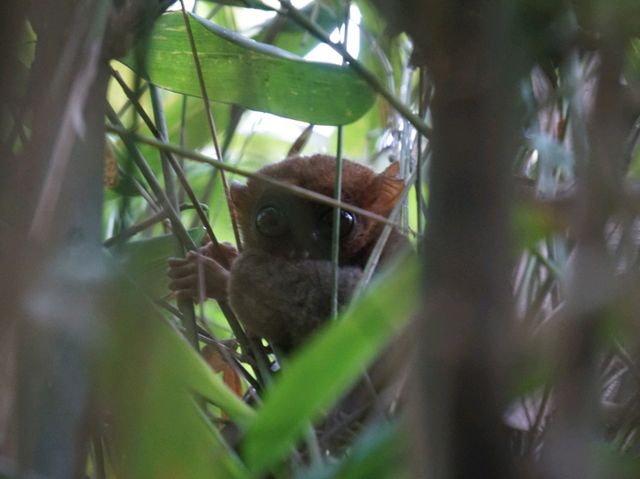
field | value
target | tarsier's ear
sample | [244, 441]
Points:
[239, 197]
[388, 189]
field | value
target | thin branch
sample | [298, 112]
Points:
[184, 305]
[421, 111]
[374, 257]
[206, 337]
[211, 123]
[139, 227]
[130, 101]
[337, 194]
[184, 237]
[172, 161]
[290, 11]
[293, 189]
[181, 232]
[149, 176]
[178, 228]
[335, 234]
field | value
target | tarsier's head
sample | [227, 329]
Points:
[273, 220]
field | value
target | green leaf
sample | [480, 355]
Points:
[308, 386]
[146, 260]
[198, 377]
[633, 60]
[290, 36]
[151, 379]
[529, 226]
[254, 75]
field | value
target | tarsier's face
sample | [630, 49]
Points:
[273, 220]
[289, 226]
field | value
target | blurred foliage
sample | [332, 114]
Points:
[162, 412]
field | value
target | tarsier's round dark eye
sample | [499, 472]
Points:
[271, 222]
[347, 220]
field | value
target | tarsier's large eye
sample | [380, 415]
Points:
[272, 222]
[347, 220]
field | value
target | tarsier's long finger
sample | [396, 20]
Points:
[177, 261]
[187, 282]
[187, 294]
[181, 270]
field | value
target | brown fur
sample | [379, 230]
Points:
[281, 288]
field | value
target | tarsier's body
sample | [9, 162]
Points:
[280, 285]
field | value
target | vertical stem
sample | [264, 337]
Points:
[418, 185]
[245, 343]
[184, 305]
[211, 123]
[337, 193]
[335, 237]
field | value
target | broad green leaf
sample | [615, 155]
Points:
[151, 381]
[146, 260]
[288, 35]
[253, 75]
[198, 377]
[332, 361]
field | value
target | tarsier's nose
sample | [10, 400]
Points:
[299, 254]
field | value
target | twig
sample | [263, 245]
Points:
[374, 257]
[149, 176]
[173, 162]
[245, 342]
[293, 13]
[185, 306]
[337, 194]
[179, 230]
[139, 227]
[335, 234]
[211, 123]
[293, 189]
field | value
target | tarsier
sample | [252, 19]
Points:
[279, 286]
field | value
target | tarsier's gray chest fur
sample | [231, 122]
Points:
[285, 300]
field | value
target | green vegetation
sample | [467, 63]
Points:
[517, 129]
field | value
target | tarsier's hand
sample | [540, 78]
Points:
[215, 266]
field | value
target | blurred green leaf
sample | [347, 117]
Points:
[146, 260]
[309, 385]
[151, 381]
[633, 57]
[613, 463]
[198, 377]
[253, 75]
[530, 226]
